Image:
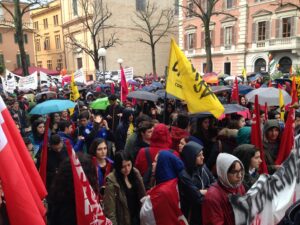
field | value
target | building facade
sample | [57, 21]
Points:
[253, 30]
[9, 48]
[48, 38]
[128, 47]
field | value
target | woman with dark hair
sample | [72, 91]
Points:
[37, 135]
[124, 189]
[61, 199]
[98, 149]
[54, 121]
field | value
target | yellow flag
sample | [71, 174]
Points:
[244, 74]
[186, 83]
[74, 95]
[281, 105]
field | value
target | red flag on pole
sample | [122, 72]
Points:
[44, 155]
[294, 91]
[256, 138]
[124, 88]
[112, 88]
[235, 91]
[266, 111]
[88, 209]
[21, 183]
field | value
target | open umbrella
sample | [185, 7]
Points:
[219, 89]
[232, 78]
[149, 88]
[211, 79]
[52, 106]
[268, 95]
[245, 89]
[233, 108]
[100, 103]
[157, 85]
[50, 94]
[161, 93]
[143, 95]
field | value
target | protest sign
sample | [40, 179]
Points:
[269, 198]
[28, 82]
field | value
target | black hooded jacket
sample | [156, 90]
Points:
[122, 129]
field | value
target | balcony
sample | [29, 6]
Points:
[277, 44]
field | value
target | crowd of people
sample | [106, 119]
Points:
[187, 166]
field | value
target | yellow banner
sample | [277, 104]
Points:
[186, 83]
[74, 95]
[244, 73]
[281, 105]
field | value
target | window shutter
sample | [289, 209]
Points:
[254, 32]
[28, 60]
[234, 38]
[195, 40]
[0, 38]
[212, 38]
[19, 61]
[25, 38]
[277, 27]
[185, 41]
[292, 26]
[222, 36]
[267, 30]
[202, 39]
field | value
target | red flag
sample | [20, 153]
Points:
[287, 139]
[133, 100]
[256, 138]
[235, 91]
[294, 91]
[88, 209]
[162, 206]
[124, 88]
[112, 88]
[266, 111]
[44, 156]
[21, 183]
[270, 83]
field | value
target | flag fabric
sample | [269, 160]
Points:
[74, 95]
[22, 186]
[88, 209]
[235, 92]
[124, 87]
[112, 88]
[281, 104]
[291, 70]
[256, 137]
[44, 155]
[186, 83]
[244, 73]
[162, 206]
[266, 111]
[294, 91]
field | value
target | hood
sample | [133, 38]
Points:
[271, 123]
[177, 134]
[245, 152]
[161, 137]
[244, 135]
[88, 94]
[168, 167]
[226, 132]
[224, 161]
[189, 154]
[127, 112]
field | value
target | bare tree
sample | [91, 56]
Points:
[154, 24]
[94, 19]
[204, 10]
[18, 25]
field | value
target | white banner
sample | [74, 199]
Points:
[10, 83]
[79, 76]
[128, 73]
[44, 78]
[269, 198]
[28, 82]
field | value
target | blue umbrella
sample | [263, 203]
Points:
[148, 88]
[157, 85]
[52, 106]
[244, 89]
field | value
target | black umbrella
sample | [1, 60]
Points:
[233, 108]
[143, 95]
[218, 89]
[161, 94]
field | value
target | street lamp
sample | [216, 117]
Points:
[120, 61]
[102, 54]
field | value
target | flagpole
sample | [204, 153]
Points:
[165, 97]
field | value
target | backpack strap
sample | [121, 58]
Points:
[148, 156]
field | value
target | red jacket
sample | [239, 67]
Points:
[216, 208]
[160, 140]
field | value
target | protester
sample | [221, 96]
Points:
[250, 157]
[124, 189]
[54, 121]
[37, 135]
[113, 113]
[217, 209]
[179, 130]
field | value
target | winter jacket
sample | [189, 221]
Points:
[113, 111]
[160, 140]
[217, 208]
[77, 146]
[115, 202]
[245, 152]
[244, 135]
[134, 144]
[108, 170]
[122, 129]
[193, 179]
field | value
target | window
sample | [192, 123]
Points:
[79, 63]
[191, 41]
[261, 31]
[286, 27]
[19, 63]
[227, 68]
[47, 43]
[140, 5]
[38, 45]
[45, 23]
[39, 64]
[25, 38]
[75, 8]
[55, 20]
[228, 36]
[229, 4]
[49, 64]
[57, 41]
[1, 38]
[59, 64]
[190, 7]
[36, 25]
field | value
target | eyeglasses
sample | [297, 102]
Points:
[237, 172]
